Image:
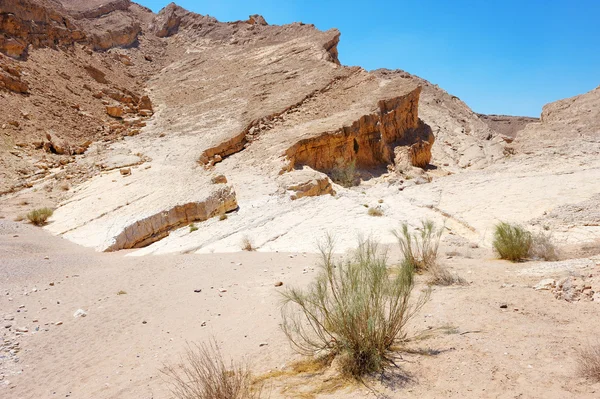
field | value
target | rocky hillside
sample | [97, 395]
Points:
[138, 124]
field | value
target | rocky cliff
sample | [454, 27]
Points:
[183, 95]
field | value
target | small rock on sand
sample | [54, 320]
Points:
[80, 313]
[546, 284]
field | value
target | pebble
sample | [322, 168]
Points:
[58, 323]
[80, 313]
[51, 284]
[46, 257]
[263, 344]
[21, 329]
[222, 290]
[9, 317]
[278, 284]
[203, 324]
[503, 306]
[144, 322]
[198, 290]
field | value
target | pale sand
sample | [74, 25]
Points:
[529, 352]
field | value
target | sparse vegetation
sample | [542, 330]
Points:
[542, 247]
[20, 218]
[193, 227]
[247, 244]
[39, 216]
[375, 211]
[344, 174]
[440, 275]
[420, 248]
[588, 360]
[511, 242]
[121, 292]
[203, 374]
[223, 217]
[356, 310]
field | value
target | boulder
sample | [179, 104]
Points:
[256, 19]
[114, 111]
[546, 284]
[306, 183]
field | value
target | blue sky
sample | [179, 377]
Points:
[499, 56]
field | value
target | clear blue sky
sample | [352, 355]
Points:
[499, 56]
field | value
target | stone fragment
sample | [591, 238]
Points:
[546, 284]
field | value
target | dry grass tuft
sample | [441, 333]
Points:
[203, 374]
[440, 275]
[420, 248]
[543, 248]
[511, 242]
[354, 311]
[39, 216]
[377, 211]
[247, 244]
[193, 227]
[121, 292]
[588, 360]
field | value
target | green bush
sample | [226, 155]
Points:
[344, 174]
[355, 310]
[420, 248]
[39, 216]
[511, 242]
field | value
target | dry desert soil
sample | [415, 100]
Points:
[165, 143]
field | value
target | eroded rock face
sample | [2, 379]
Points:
[157, 226]
[13, 83]
[370, 141]
[36, 23]
[168, 20]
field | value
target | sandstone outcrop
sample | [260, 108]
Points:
[12, 82]
[306, 183]
[155, 227]
[40, 23]
[368, 142]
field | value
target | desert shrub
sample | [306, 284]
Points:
[39, 216]
[247, 244]
[355, 310]
[344, 174]
[542, 247]
[203, 374]
[419, 248]
[193, 227]
[511, 242]
[588, 360]
[375, 211]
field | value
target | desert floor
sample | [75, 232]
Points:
[471, 346]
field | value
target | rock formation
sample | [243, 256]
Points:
[178, 98]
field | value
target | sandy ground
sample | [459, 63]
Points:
[476, 348]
